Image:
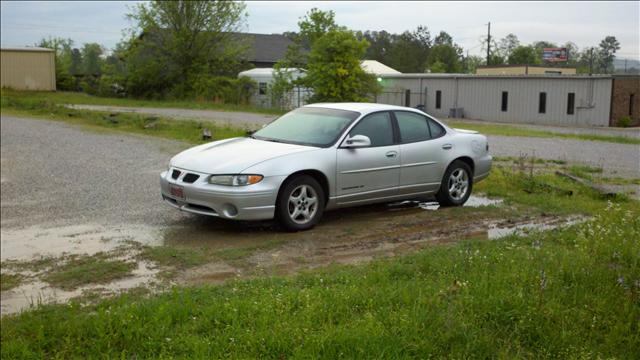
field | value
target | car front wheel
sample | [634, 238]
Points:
[300, 204]
[456, 185]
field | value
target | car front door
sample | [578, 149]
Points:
[372, 172]
[423, 152]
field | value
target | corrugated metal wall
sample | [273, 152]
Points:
[28, 70]
[481, 98]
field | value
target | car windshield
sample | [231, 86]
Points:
[308, 126]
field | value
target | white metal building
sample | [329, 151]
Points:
[545, 99]
[264, 77]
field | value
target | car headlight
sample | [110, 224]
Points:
[235, 180]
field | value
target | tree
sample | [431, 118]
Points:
[75, 67]
[443, 38]
[608, 47]
[91, 61]
[176, 42]
[471, 63]
[445, 56]
[437, 67]
[508, 44]
[406, 54]
[334, 71]
[312, 26]
[524, 55]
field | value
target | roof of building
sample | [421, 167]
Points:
[267, 71]
[521, 65]
[507, 76]
[26, 48]
[377, 68]
[265, 47]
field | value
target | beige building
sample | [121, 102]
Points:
[28, 68]
[523, 70]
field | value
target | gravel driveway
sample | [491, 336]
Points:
[615, 159]
[53, 173]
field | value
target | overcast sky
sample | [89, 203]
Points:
[585, 23]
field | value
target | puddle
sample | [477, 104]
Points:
[496, 232]
[21, 244]
[37, 292]
[473, 201]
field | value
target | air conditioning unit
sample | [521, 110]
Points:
[457, 113]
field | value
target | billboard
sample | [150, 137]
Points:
[554, 54]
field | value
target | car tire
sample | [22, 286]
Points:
[300, 203]
[456, 185]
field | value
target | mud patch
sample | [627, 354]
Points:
[36, 292]
[87, 239]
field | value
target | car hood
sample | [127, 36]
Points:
[231, 156]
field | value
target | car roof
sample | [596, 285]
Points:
[363, 108]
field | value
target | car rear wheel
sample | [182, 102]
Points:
[300, 204]
[456, 185]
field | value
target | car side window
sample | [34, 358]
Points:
[436, 129]
[377, 127]
[413, 127]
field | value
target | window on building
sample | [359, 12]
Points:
[631, 98]
[542, 103]
[377, 127]
[505, 100]
[262, 88]
[413, 127]
[571, 104]
[438, 99]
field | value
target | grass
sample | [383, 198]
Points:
[188, 131]
[570, 293]
[82, 270]
[176, 257]
[62, 98]
[507, 130]
[9, 281]
[72, 271]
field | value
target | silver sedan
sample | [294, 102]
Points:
[327, 156]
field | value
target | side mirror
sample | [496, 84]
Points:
[356, 141]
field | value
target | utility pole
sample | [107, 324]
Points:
[488, 41]
[625, 66]
[590, 61]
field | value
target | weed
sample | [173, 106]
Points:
[9, 281]
[76, 271]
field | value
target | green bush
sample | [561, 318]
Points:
[224, 90]
[624, 121]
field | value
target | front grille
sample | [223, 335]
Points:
[190, 178]
[201, 208]
[175, 174]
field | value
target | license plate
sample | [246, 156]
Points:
[176, 191]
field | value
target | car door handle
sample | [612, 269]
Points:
[447, 146]
[391, 154]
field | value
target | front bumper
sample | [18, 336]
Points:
[251, 202]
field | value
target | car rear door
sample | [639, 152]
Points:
[423, 148]
[372, 172]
